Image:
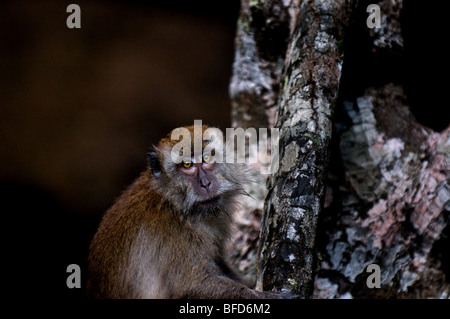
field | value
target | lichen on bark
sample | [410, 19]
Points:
[310, 82]
[393, 201]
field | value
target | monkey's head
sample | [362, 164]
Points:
[190, 171]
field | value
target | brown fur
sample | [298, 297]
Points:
[148, 247]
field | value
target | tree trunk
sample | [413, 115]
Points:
[263, 30]
[308, 97]
[389, 206]
[388, 195]
[385, 198]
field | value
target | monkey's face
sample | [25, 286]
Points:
[194, 182]
[201, 174]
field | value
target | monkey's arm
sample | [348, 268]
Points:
[220, 287]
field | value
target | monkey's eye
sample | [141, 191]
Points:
[187, 164]
[206, 158]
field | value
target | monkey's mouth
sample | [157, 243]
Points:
[212, 201]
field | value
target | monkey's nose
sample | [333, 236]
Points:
[205, 183]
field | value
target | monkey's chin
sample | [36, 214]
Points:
[211, 202]
[218, 204]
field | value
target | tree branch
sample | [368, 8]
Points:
[309, 89]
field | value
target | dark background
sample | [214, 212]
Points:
[79, 109]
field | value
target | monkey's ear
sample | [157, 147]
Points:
[153, 163]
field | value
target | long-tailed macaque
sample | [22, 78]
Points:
[164, 236]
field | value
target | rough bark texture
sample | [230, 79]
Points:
[262, 36]
[388, 195]
[263, 30]
[390, 204]
[387, 198]
[293, 204]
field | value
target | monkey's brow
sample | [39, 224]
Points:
[204, 144]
